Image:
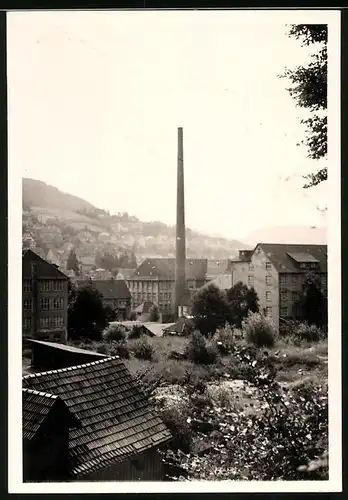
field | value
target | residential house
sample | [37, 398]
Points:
[277, 272]
[217, 267]
[154, 281]
[115, 294]
[45, 299]
[120, 432]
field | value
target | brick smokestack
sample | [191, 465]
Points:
[180, 256]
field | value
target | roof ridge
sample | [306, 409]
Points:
[69, 368]
[40, 393]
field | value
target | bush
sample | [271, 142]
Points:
[119, 348]
[308, 333]
[224, 341]
[259, 330]
[200, 351]
[114, 332]
[277, 442]
[102, 349]
[154, 314]
[179, 427]
[136, 332]
[143, 349]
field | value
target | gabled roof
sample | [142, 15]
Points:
[37, 406]
[64, 347]
[117, 418]
[111, 289]
[216, 267]
[165, 269]
[126, 273]
[44, 269]
[278, 254]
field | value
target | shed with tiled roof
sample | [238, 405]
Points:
[120, 431]
[46, 421]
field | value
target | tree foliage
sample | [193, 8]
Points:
[73, 263]
[241, 300]
[280, 440]
[313, 302]
[309, 89]
[87, 316]
[210, 309]
[154, 313]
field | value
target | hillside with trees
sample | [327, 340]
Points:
[55, 221]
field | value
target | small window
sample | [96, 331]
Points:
[27, 323]
[268, 296]
[295, 296]
[58, 285]
[324, 280]
[58, 321]
[283, 279]
[283, 296]
[28, 305]
[284, 311]
[44, 322]
[294, 279]
[251, 280]
[268, 280]
[268, 266]
[44, 303]
[251, 267]
[57, 303]
[27, 286]
[269, 312]
[45, 285]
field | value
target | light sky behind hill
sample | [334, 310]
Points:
[95, 99]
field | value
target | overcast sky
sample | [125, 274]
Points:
[95, 99]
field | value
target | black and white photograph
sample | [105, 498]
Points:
[174, 266]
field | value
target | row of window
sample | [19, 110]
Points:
[44, 286]
[268, 266]
[283, 279]
[45, 322]
[283, 311]
[46, 303]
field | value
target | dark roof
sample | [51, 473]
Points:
[117, 418]
[36, 406]
[216, 267]
[111, 289]
[278, 254]
[44, 269]
[64, 347]
[165, 269]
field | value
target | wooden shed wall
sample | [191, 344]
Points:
[147, 466]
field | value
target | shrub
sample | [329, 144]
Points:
[132, 316]
[154, 314]
[114, 332]
[136, 332]
[143, 349]
[119, 348]
[199, 351]
[102, 349]
[288, 431]
[308, 333]
[259, 330]
[224, 341]
[179, 426]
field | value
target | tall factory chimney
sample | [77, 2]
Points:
[180, 256]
